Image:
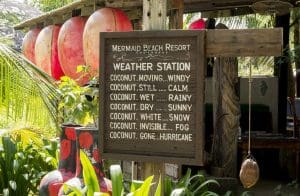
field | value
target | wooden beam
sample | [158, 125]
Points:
[227, 12]
[176, 14]
[246, 42]
[81, 4]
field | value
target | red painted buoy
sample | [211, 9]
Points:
[29, 43]
[70, 50]
[198, 24]
[102, 20]
[46, 51]
[56, 69]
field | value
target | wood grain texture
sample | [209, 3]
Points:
[226, 116]
[226, 112]
[244, 42]
[154, 14]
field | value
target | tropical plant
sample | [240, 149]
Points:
[291, 188]
[78, 104]
[189, 185]
[138, 188]
[28, 96]
[11, 13]
[23, 162]
[48, 5]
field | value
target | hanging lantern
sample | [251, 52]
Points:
[70, 51]
[46, 51]
[198, 24]
[102, 20]
[29, 43]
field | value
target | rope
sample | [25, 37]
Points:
[250, 101]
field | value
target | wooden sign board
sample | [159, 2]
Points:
[152, 96]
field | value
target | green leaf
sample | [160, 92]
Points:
[204, 184]
[184, 182]
[89, 175]
[21, 80]
[178, 192]
[168, 185]
[145, 188]
[117, 180]
[13, 185]
[79, 68]
[158, 189]
[209, 193]
[5, 192]
[135, 184]
[101, 194]
[74, 190]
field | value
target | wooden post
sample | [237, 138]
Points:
[175, 22]
[154, 18]
[226, 115]
[176, 14]
[281, 70]
[154, 14]
[297, 52]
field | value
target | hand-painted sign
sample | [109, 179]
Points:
[152, 95]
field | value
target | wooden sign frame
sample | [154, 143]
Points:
[133, 152]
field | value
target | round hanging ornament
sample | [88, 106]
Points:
[249, 173]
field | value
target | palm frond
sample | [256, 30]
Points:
[28, 96]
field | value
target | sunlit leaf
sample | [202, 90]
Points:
[116, 179]
[89, 175]
[158, 189]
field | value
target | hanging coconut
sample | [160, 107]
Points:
[46, 51]
[29, 44]
[70, 50]
[102, 20]
[198, 24]
[249, 173]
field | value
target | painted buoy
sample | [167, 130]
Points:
[198, 24]
[29, 43]
[70, 50]
[46, 51]
[102, 20]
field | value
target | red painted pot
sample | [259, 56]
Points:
[28, 44]
[46, 51]
[198, 24]
[102, 20]
[70, 50]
